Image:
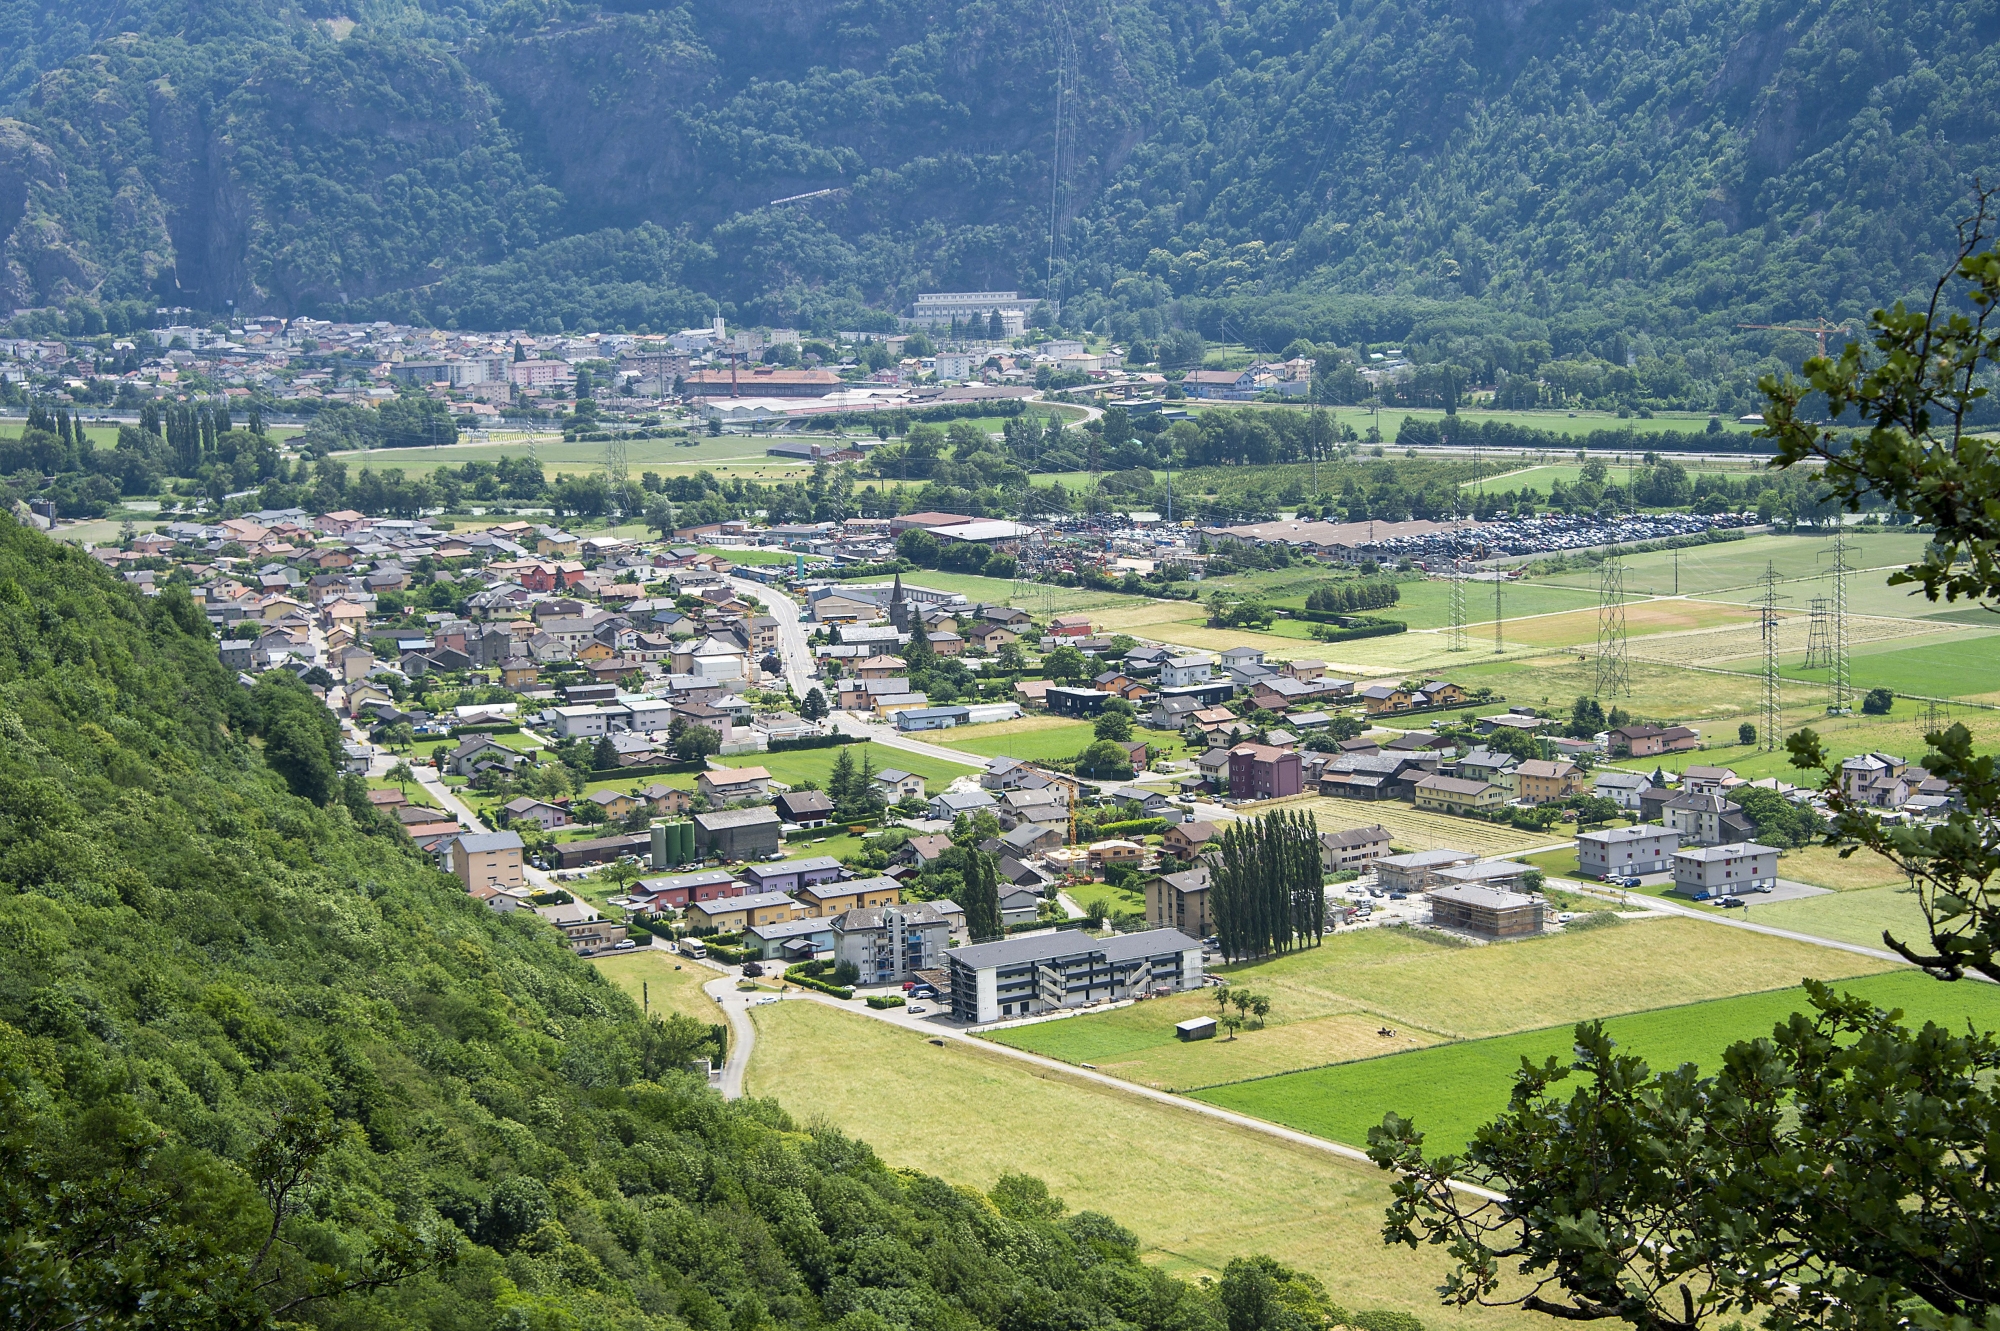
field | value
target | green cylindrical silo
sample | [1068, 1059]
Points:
[687, 842]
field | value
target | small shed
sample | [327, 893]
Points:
[1196, 1028]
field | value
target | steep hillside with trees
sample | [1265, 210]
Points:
[1612, 180]
[260, 1063]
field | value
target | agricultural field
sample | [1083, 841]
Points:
[1858, 916]
[1037, 599]
[1708, 569]
[670, 985]
[1329, 1003]
[1210, 1192]
[1419, 829]
[1451, 1089]
[1390, 420]
[1939, 666]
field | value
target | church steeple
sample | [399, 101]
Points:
[899, 607]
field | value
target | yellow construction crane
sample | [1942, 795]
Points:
[1819, 328]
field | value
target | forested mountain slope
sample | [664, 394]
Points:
[253, 1050]
[1335, 168]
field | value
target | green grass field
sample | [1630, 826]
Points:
[796, 766]
[1935, 666]
[1197, 1192]
[1328, 1002]
[1451, 1089]
[669, 984]
[1059, 739]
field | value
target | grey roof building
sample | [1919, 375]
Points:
[1018, 977]
[888, 944]
[737, 834]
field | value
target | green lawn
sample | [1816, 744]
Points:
[1451, 1089]
[796, 766]
[1039, 600]
[1065, 740]
[1328, 1004]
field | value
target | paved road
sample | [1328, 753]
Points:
[742, 1034]
[792, 648]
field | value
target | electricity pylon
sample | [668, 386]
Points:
[1819, 645]
[1456, 637]
[1839, 688]
[1613, 675]
[1769, 620]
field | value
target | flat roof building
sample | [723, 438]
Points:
[1487, 911]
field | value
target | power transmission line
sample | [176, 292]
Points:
[1613, 674]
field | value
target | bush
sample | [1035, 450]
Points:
[883, 1001]
[1878, 702]
[1597, 919]
[806, 975]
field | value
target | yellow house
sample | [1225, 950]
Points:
[595, 651]
[1450, 794]
[825, 900]
[729, 915]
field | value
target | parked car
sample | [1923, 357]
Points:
[1727, 903]
[623, 945]
[1630, 882]
[914, 1010]
[1399, 896]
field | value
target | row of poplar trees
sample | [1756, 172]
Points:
[1266, 887]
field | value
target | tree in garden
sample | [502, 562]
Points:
[982, 898]
[399, 737]
[402, 774]
[1260, 1008]
[814, 707]
[1267, 885]
[840, 780]
[1104, 761]
[918, 654]
[696, 742]
[1065, 663]
[604, 754]
[1114, 726]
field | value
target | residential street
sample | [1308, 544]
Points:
[792, 648]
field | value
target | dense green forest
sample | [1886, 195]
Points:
[1625, 181]
[260, 1063]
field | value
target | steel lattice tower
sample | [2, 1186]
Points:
[1613, 676]
[1768, 740]
[1839, 688]
[1456, 637]
[1819, 643]
[1499, 581]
